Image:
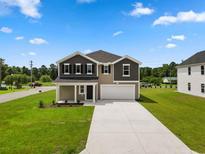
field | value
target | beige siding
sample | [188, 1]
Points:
[66, 92]
[104, 79]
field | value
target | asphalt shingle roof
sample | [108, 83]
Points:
[195, 59]
[103, 56]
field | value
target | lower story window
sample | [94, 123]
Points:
[203, 88]
[189, 86]
[81, 90]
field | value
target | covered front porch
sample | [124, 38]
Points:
[76, 92]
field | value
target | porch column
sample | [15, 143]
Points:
[57, 93]
[94, 93]
[75, 93]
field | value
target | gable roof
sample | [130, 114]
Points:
[103, 56]
[195, 59]
[128, 57]
[74, 54]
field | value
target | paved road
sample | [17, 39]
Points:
[127, 127]
[15, 95]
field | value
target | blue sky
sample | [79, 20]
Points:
[152, 31]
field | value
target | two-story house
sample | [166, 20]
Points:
[191, 75]
[97, 75]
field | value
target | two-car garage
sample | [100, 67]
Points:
[118, 91]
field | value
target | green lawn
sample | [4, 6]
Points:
[12, 90]
[25, 128]
[183, 114]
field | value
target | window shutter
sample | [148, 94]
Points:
[93, 68]
[109, 69]
[81, 68]
[74, 68]
[102, 68]
[70, 69]
[62, 68]
[86, 71]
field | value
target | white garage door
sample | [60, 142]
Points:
[113, 91]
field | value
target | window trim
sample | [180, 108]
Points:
[76, 65]
[124, 70]
[66, 64]
[107, 65]
[202, 70]
[81, 93]
[202, 85]
[89, 64]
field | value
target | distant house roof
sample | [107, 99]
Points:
[103, 56]
[195, 59]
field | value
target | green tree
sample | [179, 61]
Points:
[45, 78]
[53, 71]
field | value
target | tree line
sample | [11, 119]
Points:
[17, 73]
[155, 75]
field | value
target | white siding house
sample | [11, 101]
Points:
[191, 75]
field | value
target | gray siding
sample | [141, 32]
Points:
[78, 59]
[118, 71]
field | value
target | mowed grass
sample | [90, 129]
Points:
[183, 114]
[25, 128]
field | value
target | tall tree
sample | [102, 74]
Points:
[53, 71]
[1, 69]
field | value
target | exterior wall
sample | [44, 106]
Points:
[196, 79]
[118, 70]
[66, 93]
[78, 59]
[104, 78]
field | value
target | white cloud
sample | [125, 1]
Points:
[32, 53]
[23, 54]
[171, 45]
[38, 41]
[140, 10]
[27, 7]
[117, 33]
[177, 37]
[85, 1]
[189, 16]
[19, 38]
[6, 30]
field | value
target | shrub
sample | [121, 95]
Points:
[3, 88]
[36, 84]
[41, 104]
[45, 78]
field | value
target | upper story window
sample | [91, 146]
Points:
[126, 70]
[203, 88]
[89, 68]
[66, 68]
[189, 70]
[189, 86]
[106, 69]
[78, 68]
[202, 70]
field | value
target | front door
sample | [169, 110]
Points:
[89, 92]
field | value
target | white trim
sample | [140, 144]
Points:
[75, 93]
[78, 64]
[58, 69]
[74, 54]
[131, 81]
[126, 70]
[89, 64]
[128, 57]
[76, 83]
[80, 89]
[66, 64]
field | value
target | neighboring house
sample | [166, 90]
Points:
[191, 75]
[169, 80]
[97, 75]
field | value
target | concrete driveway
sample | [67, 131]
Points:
[15, 95]
[127, 127]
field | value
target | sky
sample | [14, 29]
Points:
[154, 32]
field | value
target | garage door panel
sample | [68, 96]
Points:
[117, 91]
